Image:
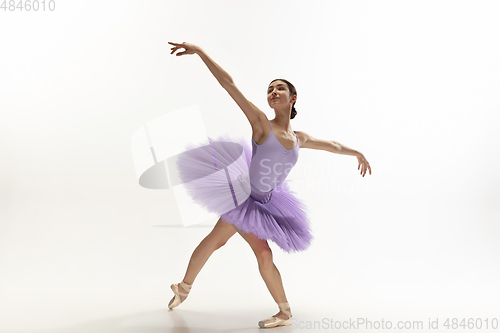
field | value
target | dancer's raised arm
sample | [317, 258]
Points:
[308, 141]
[254, 115]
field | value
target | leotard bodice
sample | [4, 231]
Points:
[271, 162]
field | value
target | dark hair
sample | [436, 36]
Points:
[292, 91]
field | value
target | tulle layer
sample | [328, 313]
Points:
[215, 174]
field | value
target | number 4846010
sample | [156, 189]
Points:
[28, 5]
[471, 323]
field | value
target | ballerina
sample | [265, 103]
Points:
[271, 212]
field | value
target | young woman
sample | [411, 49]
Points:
[271, 212]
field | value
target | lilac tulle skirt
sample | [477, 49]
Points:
[215, 174]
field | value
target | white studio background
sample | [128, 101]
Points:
[413, 85]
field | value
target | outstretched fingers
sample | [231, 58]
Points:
[176, 47]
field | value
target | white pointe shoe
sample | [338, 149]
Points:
[176, 300]
[275, 321]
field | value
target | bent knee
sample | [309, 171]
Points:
[218, 245]
[264, 256]
[213, 244]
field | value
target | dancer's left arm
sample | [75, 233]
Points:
[311, 142]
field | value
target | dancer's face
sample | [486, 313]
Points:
[278, 94]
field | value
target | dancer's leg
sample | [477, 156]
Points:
[219, 235]
[268, 270]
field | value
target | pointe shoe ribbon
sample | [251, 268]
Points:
[275, 321]
[176, 300]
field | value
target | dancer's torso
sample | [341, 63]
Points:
[271, 162]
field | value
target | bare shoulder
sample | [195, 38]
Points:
[308, 141]
[303, 137]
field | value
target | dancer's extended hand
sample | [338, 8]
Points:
[363, 163]
[189, 48]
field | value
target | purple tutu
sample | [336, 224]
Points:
[216, 176]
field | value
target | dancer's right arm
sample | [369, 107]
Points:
[254, 115]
